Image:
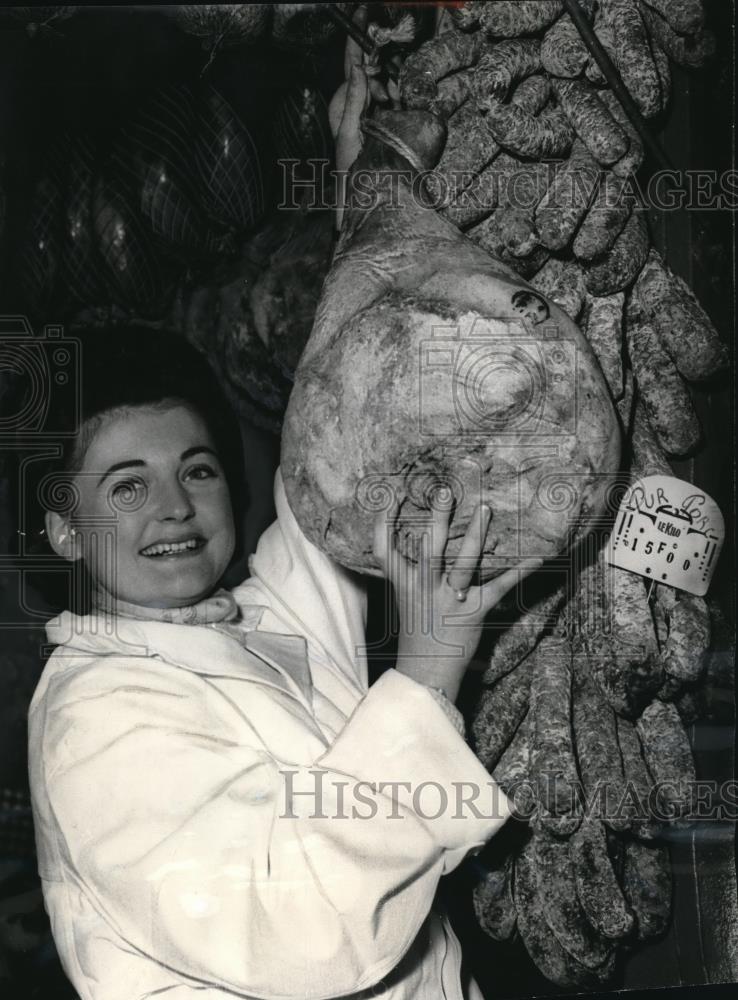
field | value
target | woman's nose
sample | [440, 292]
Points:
[174, 502]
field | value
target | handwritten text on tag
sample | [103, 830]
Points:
[669, 531]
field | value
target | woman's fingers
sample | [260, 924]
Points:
[384, 529]
[381, 546]
[494, 590]
[472, 545]
[439, 526]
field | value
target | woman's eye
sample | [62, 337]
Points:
[201, 472]
[127, 492]
[126, 486]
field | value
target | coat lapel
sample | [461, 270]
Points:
[283, 653]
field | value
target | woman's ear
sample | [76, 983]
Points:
[62, 536]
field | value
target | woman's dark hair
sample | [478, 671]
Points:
[135, 366]
[118, 369]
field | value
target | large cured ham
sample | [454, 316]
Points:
[430, 363]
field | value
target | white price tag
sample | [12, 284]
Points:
[669, 531]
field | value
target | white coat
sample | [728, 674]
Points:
[175, 862]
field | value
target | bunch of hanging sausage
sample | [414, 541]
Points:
[583, 726]
[584, 705]
[537, 166]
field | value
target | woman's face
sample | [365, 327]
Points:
[154, 522]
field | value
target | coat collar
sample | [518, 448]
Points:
[279, 661]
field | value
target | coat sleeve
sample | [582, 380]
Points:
[242, 871]
[306, 593]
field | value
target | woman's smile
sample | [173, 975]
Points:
[163, 549]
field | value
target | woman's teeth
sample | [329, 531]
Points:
[172, 548]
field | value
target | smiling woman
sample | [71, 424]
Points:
[211, 711]
[147, 494]
[156, 475]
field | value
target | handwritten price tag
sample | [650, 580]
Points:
[668, 531]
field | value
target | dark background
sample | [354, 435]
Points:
[87, 72]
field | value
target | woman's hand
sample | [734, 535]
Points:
[441, 613]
